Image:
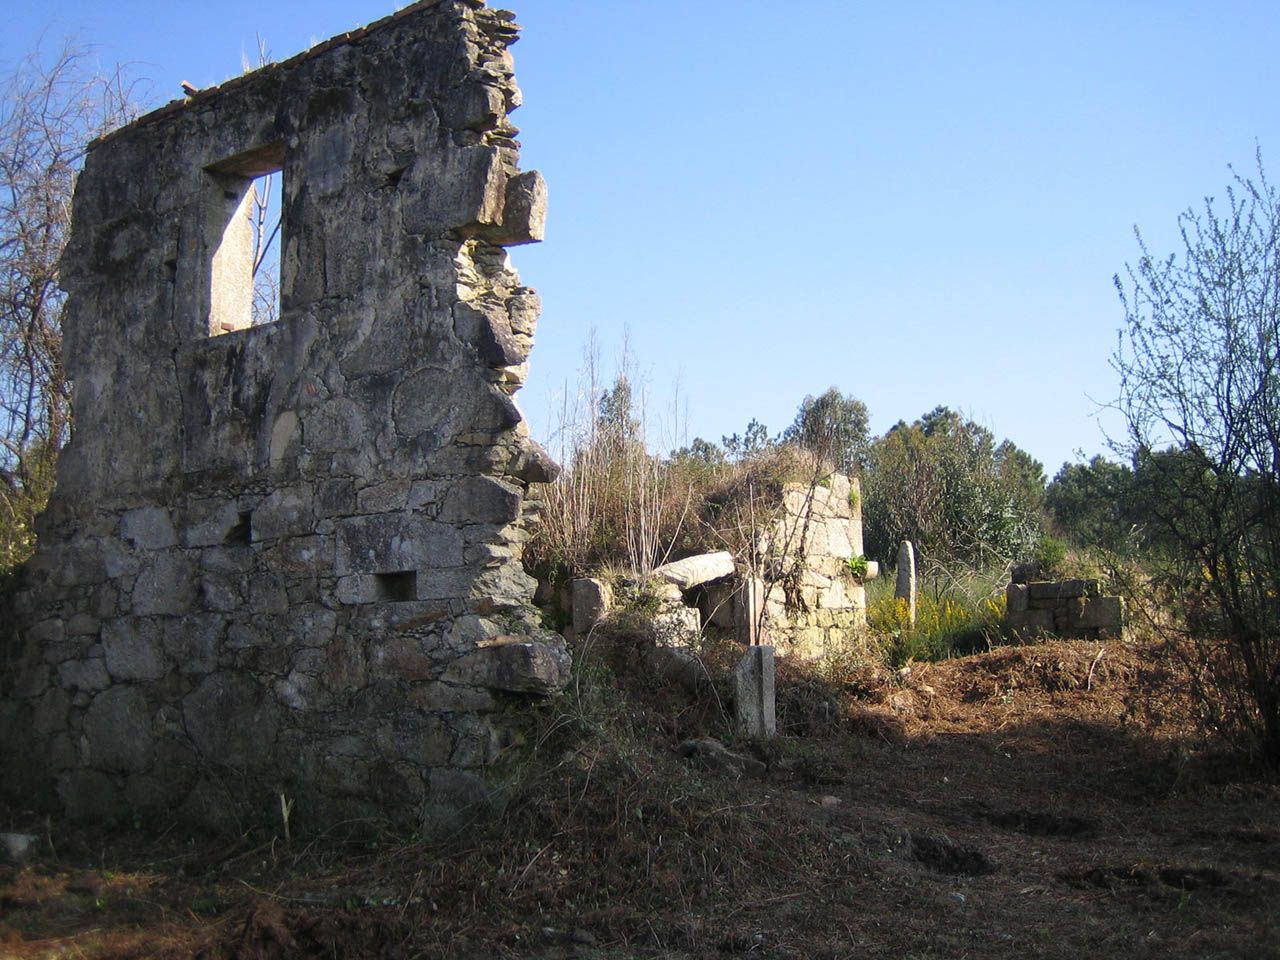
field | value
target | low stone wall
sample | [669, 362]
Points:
[1063, 608]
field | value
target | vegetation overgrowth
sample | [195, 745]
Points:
[1196, 504]
[972, 506]
[889, 800]
[50, 108]
[955, 615]
[943, 482]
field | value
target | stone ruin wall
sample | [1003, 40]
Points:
[812, 600]
[810, 613]
[285, 558]
[1075, 609]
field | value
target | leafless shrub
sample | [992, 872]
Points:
[1199, 362]
[616, 503]
[50, 109]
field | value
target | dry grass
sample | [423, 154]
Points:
[619, 505]
[1043, 801]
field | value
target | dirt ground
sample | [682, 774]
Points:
[1040, 801]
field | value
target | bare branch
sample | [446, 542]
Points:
[50, 110]
[1199, 366]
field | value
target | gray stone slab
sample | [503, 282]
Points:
[133, 649]
[692, 571]
[1103, 613]
[391, 542]
[17, 848]
[1061, 589]
[88, 675]
[592, 599]
[148, 528]
[516, 664]
[118, 731]
[165, 585]
[754, 694]
[675, 625]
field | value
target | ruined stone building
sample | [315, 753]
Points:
[283, 559]
[818, 598]
[807, 592]
[800, 589]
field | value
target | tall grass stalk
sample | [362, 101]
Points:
[615, 501]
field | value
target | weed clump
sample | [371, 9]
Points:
[955, 616]
[602, 823]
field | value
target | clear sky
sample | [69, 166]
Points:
[918, 203]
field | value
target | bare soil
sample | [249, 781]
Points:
[1040, 801]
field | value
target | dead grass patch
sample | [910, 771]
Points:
[1014, 802]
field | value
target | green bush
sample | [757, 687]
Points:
[20, 503]
[945, 484]
[1050, 554]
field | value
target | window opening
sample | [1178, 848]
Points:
[267, 220]
[242, 532]
[244, 226]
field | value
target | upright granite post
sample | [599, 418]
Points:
[284, 559]
[746, 610]
[906, 585]
[753, 694]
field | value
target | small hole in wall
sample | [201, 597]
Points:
[242, 532]
[397, 587]
[395, 176]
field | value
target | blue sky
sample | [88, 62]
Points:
[918, 203]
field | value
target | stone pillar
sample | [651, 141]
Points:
[591, 601]
[753, 694]
[906, 588]
[746, 610]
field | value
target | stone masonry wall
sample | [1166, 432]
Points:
[811, 596]
[285, 559]
[815, 601]
[1063, 608]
